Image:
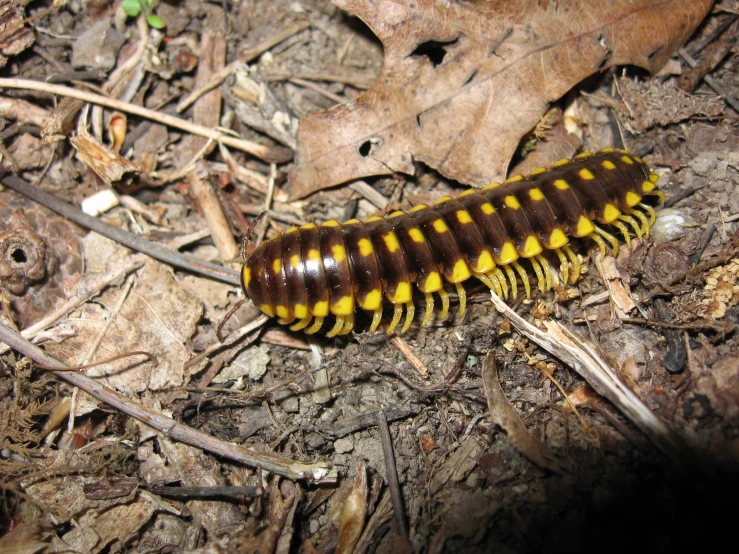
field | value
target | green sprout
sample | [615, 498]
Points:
[133, 8]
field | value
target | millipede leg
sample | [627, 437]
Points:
[503, 283]
[524, 277]
[634, 224]
[610, 238]
[496, 284]
[409, 314]
[484, 279]
[338, 326]
[429, 308]
[376, 318]
[624, 231]
[444, 303]
[302, 324]
[490, 281]
[539, 274]
[348, 325]
[575, 264]
[397, 312]
[512, 280]
[564, 265]
[462, 295]
[317, 324]
[546, 269]
[641, 217]
[650, 210]
[600, 243]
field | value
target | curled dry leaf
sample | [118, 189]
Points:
[353, 514]
[463, 81]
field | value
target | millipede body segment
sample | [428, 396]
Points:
[494, 234]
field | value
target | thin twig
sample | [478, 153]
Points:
[711, 82]
[410, 356]
[317, 473]
[276, 154]
[317, 88]
[205, 493]
[392, 475]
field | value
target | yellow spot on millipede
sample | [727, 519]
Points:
[314, 255]
[339, 254]
[391, 241]
[461, 271]
[440, 226]
[561, 184]
[463, 216]
[487, 208]
[512, 202]
[586, 174]
[403, 293]
[610, 213]
[321, 309]
[277, 266]
[373, 300]
[608, 164]
[344, 306]
[536, 194]
[531, 247]
[365, 247]
[508, 254]
[416, 235]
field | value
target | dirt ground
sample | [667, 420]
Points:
[79, 475]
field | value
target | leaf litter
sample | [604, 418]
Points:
[465, 485]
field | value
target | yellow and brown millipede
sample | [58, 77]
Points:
[314, 272]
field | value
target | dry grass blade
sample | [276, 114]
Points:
[603, 377]
[276, 154]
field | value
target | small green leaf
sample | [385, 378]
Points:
[132, 8]
[155, 21]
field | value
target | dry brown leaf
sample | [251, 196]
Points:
[158, 317]
[463, 81]
[504, 414]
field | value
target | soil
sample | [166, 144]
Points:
[465, 486]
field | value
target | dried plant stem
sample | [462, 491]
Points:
[392, 475]
[276, 154]
[583, 358]
[318, 473]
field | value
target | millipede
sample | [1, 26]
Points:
[314, 272]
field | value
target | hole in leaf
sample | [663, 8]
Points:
[365, 148]
[434, 50]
